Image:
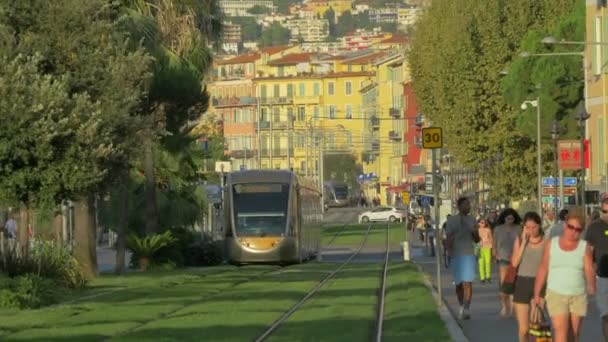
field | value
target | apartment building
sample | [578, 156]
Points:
[239, 8]
[308, 30]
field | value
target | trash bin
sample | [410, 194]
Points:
[405, 246]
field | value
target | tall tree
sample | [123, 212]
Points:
[178, 33]
[68, 126]
[346, 24]
[458, 51]
[274, 35]
[330, 15]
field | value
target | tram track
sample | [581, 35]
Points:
[382, 291]
[272, 328]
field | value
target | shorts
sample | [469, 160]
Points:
[524, 290]
[463, 268]
[503, 262]
[558, 304]
[601, 297]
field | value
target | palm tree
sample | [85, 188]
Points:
[178, 34]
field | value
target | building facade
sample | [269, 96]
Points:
[239, 8]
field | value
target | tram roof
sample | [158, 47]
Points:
[274, 176]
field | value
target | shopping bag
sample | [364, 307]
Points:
[508, 284]
[540, 326]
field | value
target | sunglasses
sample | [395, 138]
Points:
[577, 229]
[604, 211]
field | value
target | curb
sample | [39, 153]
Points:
[454, 329]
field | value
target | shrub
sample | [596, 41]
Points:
[46, 260]
[29, 291]
[144, 249]
[204, 252]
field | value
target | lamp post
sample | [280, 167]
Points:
[559, 181]
[581, 116]
[524, 106]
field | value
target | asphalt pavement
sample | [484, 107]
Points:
[485, 323]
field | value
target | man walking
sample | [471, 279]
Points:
[461, 235]
[597, 238]
[11, 232]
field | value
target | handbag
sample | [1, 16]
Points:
[508, 284]
[540, 326]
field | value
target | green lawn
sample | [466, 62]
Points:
[351, 235]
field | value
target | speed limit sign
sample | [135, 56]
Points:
[432, 137]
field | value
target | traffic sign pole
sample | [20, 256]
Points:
[438, 233]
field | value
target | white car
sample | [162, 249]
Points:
[390, 214]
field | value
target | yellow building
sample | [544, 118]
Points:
[319, 7]
[597, 90]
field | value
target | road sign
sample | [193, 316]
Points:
[223, 166]
[550, 181]
[432, 137]
[428, 182]
[568, 191]
[569, 154]
[406, 197]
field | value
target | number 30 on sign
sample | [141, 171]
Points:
[432, 137]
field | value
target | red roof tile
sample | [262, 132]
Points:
[293, 58]
[249, 58]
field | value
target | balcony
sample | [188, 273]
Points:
[265, 101]
[308, 100]
[376, 146]
[264, 125]
[234, 101]
[276, 125]
[375, 122]
[243, 154]
[418, 141]
[394, 135]
[419, 120]
[395, 112]
[277, 152]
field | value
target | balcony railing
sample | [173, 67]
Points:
[375, 122]
[393, 135]
[395, 112]
[308, 99]
[243, 154]
[276, 100]
[234, 101]
[277, 152]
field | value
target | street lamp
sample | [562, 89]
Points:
[581, 116]
[555, 137]
[524, 106]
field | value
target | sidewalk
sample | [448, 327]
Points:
[485, 323]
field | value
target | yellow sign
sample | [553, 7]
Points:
[406, 197]
[432, 137]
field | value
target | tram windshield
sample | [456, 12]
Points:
[260, 209]
[341, 192]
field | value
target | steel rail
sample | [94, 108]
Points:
[312, 292]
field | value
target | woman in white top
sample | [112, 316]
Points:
[566, 268]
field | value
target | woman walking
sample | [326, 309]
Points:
[504, 239]
[566, 267]
[485, 250]
[527, 255]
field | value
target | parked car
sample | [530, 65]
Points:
[390, 214]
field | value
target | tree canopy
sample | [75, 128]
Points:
[459, 49]
[274, 35]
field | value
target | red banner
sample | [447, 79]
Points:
[569, 154]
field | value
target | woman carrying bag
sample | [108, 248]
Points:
[527, 254]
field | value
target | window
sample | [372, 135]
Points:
[331, 88]
[302, 89]
[290, 90]
[600, 138]
[290, 116]
[263, 91]
[348, 88]
[316, 112]
[277, 90]
[281, 71]
[263, 114]
[277, 115]
[332, 112]
[250, 68]
[300, 140]
[349, 111]
[350, 68]
[301, 113]
[317, 89]
[238, 115]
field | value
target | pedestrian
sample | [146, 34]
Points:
[597, 238]
[566, 268]
[11, 233]
[549, 220]
[504, 238]
[461, 235]
[527, 255]
[429, 230]
[485, 251]
[558, 227]
[493, 219]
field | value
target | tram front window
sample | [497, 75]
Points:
[260, 209]
[341, 192]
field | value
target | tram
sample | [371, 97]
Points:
[271, 216]
[335, 194]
